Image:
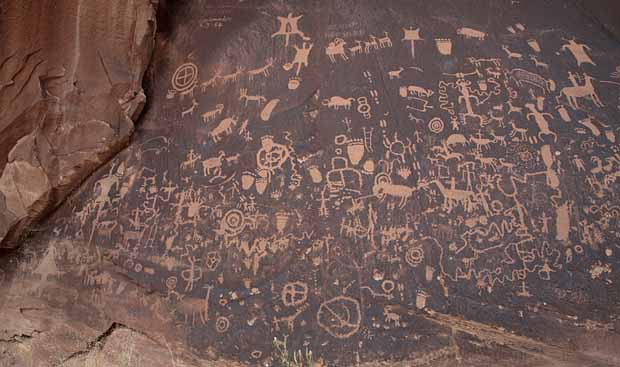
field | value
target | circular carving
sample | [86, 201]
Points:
[234, 219]
[414, 256]
[232, 223]
[388, 286]
[382, 178]
[185, 77]
[222, 324]
[294, 293]
[363, 108]
[171, 282]
[436, 125]
[340, 317]
[497, 206]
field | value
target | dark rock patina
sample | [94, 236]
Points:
[422, 183]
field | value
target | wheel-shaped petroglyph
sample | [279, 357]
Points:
[340, 316]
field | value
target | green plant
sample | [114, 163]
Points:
[284, 359]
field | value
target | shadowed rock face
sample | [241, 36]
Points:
[333, 184]
[69, 93]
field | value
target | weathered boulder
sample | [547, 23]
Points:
[70, 92]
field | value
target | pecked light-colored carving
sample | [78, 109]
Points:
[70, 92]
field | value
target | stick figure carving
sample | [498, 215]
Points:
[541, 121]
[579, 51]
[581, 91]
[301, 57]
[289, 26]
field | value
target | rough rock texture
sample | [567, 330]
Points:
[345, 183]
[70, 91]
[603, 12]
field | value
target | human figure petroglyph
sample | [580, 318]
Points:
[579, 163]
[466, 97]
[549, 160]
[289, 320]
[396, 147]
[289, 26]
[579, 51]
[192, 274]
[581, 91]
[301, 57]
[541, 120]
[106, 184]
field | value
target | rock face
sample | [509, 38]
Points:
[69, 93]
[320, 184]
[604, 13]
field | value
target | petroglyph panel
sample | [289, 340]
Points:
[337, 183]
